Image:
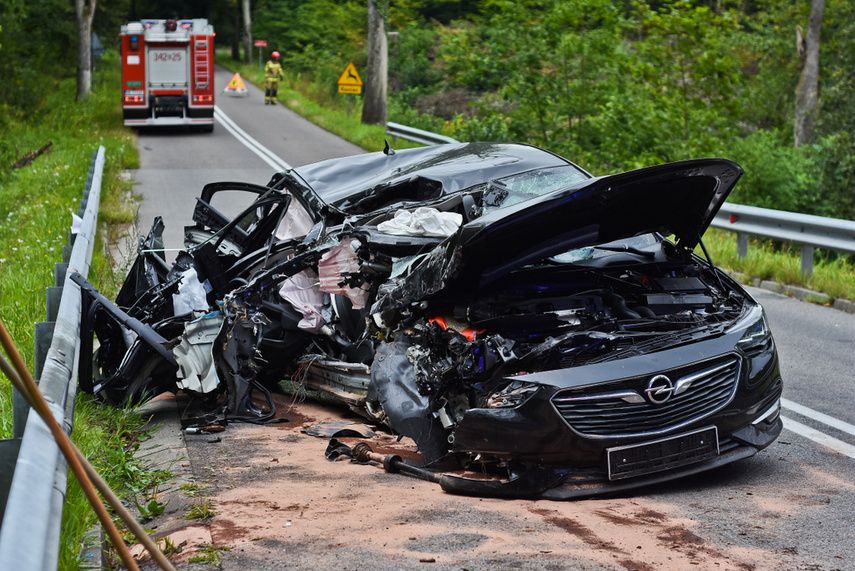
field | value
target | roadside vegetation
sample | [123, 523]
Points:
[36, 205]
[833, 274]
[611, 85]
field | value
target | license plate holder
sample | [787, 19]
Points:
[663, 454]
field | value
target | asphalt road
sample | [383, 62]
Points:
[789, 507]
[175, 164]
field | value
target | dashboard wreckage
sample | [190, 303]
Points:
[510, 313]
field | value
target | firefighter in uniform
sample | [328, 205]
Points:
[272, 75]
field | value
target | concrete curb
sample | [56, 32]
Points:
[797, 292]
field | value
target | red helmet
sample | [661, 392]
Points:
[275, 55]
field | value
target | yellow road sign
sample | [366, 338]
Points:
[349, 77]
[350, 89]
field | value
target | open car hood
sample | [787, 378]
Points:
[677, 199]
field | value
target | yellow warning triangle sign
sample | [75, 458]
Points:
[350, 76]
[236, 85]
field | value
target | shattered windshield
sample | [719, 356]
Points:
[511, 190]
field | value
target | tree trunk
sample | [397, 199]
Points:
[236, 35]
[374, 105]
[85, 10]
[247, 33]
[807, 96]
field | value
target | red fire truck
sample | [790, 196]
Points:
[168, 73]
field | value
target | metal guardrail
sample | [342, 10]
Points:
[417, 135]
[807, 230]
[30, 534]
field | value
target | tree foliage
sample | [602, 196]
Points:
[614, 85]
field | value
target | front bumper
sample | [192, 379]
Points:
[732, 392]
[561, 483]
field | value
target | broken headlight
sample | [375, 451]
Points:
[513, 395]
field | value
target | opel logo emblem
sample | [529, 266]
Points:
[659, 389]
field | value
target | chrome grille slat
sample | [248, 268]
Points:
[606, 414]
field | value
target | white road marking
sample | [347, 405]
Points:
[818, 416]
[263, 152]
[819, 437]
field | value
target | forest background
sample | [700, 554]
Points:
[611, 84]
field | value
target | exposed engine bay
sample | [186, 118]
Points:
[464, 348]
[309, 317]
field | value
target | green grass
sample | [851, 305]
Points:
[191, 489]
[832, 274]
[209, 553]
[37, 201]
[108, 437]
[36, 205]
[202, 509]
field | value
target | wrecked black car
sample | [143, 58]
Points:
[508, 312]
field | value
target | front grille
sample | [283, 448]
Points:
[620, 409]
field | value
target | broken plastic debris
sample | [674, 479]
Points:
[191, 294]
[340, 429]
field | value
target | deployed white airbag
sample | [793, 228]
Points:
[303, 293]
[423, 221]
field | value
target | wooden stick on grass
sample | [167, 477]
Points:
[83, 470]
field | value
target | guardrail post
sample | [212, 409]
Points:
[8, 457]
[807, 259]
[741, 245]
[20, 410]
[42, 341]
[53, 298]
[59, 273]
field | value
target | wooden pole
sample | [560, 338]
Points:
[21, 378]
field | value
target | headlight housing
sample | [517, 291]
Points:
[757, 335]
[513, 395]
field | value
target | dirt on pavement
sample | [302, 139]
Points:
[276, 502]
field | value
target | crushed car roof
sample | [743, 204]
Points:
[440, 169]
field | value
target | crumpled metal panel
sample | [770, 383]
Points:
[195, 362]
[393, 384]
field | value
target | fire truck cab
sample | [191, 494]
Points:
[168, 73]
